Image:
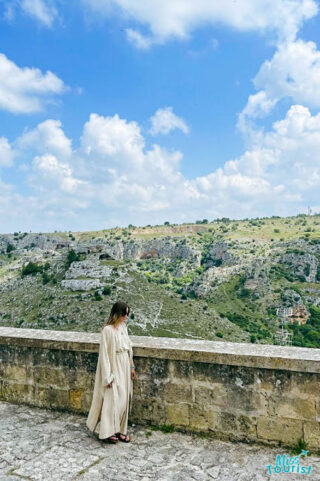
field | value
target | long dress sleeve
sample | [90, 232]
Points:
[131, 354]
[130, 345]
[106, 353]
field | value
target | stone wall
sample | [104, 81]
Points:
[267, 394]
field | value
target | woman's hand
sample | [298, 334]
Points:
[133, 374]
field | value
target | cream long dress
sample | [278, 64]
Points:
[110, 407]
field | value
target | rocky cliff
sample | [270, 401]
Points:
[220, 280]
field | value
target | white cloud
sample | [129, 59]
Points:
[165, 120]
[6, 153]
[168, 19]
[139, 41]
[43, 11]
[258, 106]
[112, 175]
[293, 72]
[112, 136]
[53, 171]
[287, 156]
[48, 136]
[24, 89]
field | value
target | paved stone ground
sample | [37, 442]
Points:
[39, 444]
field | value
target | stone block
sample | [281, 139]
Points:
[181, 369]
[141, 411]
[202, 419]
[210, 394]
[247, 426]
[52, 397]
[16, 392]
[286, 430]
[304, 383]
[217, 373]
[75, 397]
[151, 388]
[176, 392]
[178, 414]
[226, 423]
[17, 373]
[86, 401]
[2, 368]
[311, 431]
[275, 381]
[51, 376]
[159, 368]
[158, 415]
[242, 398]
[297, 408]
[83, 379]
[198, 421]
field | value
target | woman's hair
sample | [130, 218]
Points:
[119, 309]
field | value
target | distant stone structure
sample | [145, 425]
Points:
[300, 315]
[297, 313]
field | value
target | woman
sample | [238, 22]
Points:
[112, 394]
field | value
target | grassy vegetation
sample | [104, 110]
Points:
[235, 303]
[163, 292]
[307, 335]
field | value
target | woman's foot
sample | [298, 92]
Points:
[123, 437]
[113, 439]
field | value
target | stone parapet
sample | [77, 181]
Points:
[237, 391]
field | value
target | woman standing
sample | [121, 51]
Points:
[112, 394]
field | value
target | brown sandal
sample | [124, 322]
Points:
[123, 437]
[113, 439]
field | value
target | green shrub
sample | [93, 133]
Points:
[71, 257]
[31, 269]
[219, 334]
[244, 293]
[167, 428]
[106, 290]
[300, 446]
[45, 278]
[97, 296]
[10, 248]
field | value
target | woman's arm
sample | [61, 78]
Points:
[105, 352]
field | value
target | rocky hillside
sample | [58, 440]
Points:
[249, 280]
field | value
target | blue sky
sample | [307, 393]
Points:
[199, 111]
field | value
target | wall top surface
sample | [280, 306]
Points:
[214, 352]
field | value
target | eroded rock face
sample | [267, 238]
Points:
[213, 277]
[88, 268]
[184, 268]
[219, 254]
[303, 266]
[81, 284]
[291, 298]
[153, 254]
[34, 240]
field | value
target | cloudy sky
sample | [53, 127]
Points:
[145, 111]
